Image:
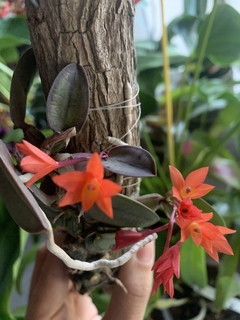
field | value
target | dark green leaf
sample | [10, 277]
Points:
[28, 258]
[127, 213]
[16, 27]
[227, 269]
[68, 99]
[22, 79]
[18, 200]
[9, 251]
[130, 161]
[227, 288]
[193, 264]
[224, 42]
[206, 208]
[149, 104]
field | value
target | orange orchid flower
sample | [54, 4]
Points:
[206, 234]
[88, 187]
[165, 268]
[187, 210]
[36, 161]
[192, 187]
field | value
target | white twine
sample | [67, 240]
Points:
[118, 105]
[122, 105]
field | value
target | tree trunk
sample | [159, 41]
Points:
[98, 35]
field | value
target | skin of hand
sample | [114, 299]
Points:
[53, 297]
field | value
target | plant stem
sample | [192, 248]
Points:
[169, 108]
[196, 77]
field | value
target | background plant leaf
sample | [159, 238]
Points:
[9, 251]
[206, 208]
[21, 82]
[193, 264]
[224, 42]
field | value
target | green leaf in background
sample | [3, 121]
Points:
[22, 79]
[195, 7]
[206, 208]
[9, 251]
[223, 45]
[16, 27]
[226, 286]
[193, 264]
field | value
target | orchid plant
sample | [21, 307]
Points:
[57, 190]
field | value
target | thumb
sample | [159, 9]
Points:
[136, 276]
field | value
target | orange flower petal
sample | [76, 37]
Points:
[200, 191]
[176, 177]
[90, 193]
[196, 177]
[40, 174]
[33, 164]
[72, 180]
[70, 198]
[105, 204]
[95, 166]
[109, 188]
[29, 149]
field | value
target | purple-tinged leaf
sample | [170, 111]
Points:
[18, 199]
[58, 141]
[126, 213]
[21, 82]
[68, 99]
[130, 161]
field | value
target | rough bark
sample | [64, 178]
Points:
[97, 34]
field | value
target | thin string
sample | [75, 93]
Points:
[113, 105]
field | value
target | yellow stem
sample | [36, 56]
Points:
[169, 108]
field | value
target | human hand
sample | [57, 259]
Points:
[53, 297]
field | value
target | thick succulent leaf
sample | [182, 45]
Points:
[206, 208]
[17, 198]
[127, 213]
[21, 81]
[9, 249]
[130, 161]
[103, 242]
[152, 201]
[68, 99]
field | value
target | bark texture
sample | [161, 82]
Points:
[98, 35]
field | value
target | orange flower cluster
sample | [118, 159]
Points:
[193, 223]
[86, 187]
[90, 187]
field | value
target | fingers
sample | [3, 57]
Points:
[136, 276]
[52, 295]
[49, 286]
